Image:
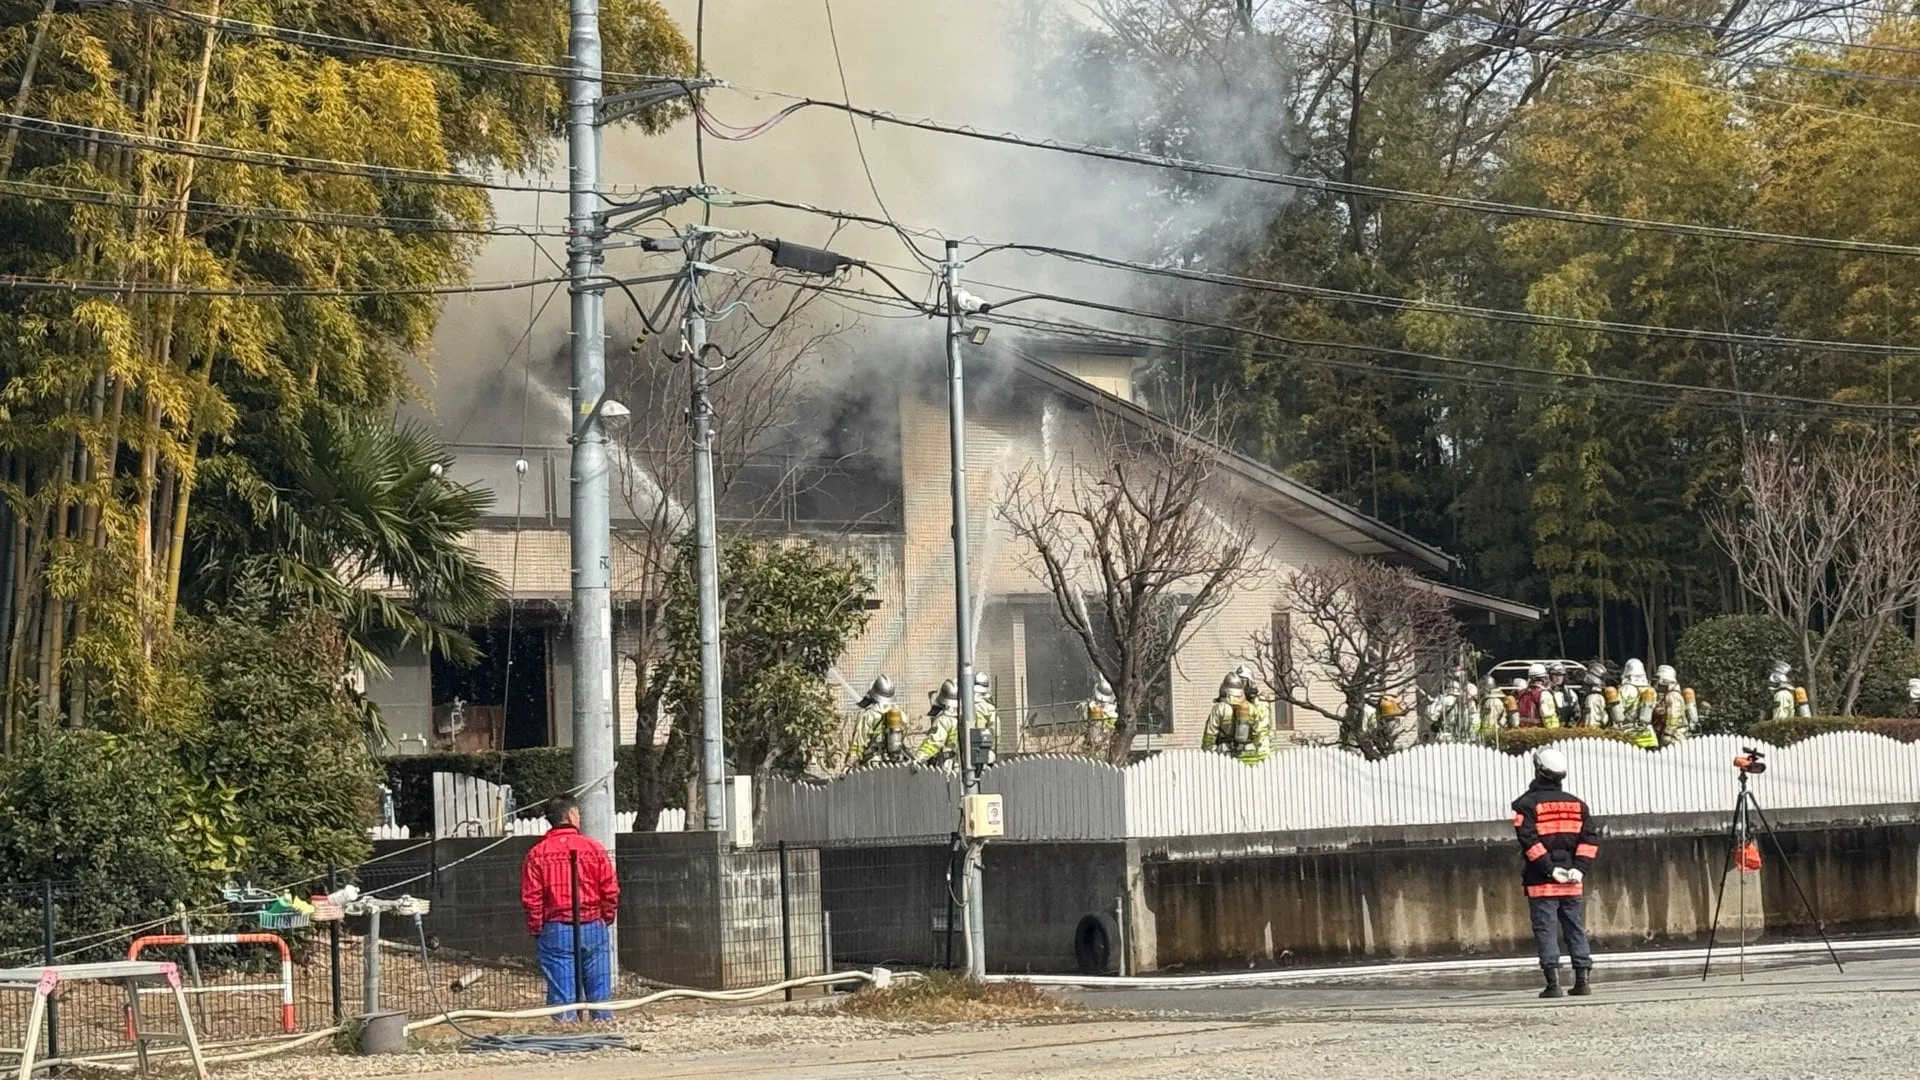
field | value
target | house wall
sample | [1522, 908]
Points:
[911, 637]
[405, 700]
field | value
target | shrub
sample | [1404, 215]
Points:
[1883, 687]
[536, 774]
[1788, 732]
[93, 811]
[1526, 740]
[1726, 661]
[279, 748]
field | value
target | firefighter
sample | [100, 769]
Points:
[1493, 708]
[1558, 841]
[1595, 700]
[1537, 705]
[1637, 702]
[883, 728]
[1098, 714]
[1240, 723]
[1566, 697]
[1674, 716]
[986, 721]
[1510, 702]
[1789, 700]
[1913, 697]
[943, 719]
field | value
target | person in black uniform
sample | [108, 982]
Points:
[1559, 840]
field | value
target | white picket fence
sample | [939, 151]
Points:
[389, 832]
[669, 821]
[1191, 793]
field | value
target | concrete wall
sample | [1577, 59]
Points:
[891, 904]
[691, 912]
[1445, 890]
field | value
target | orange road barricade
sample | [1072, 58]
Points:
[285, 985]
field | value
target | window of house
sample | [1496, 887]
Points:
[1060, 678]
[1282, 629]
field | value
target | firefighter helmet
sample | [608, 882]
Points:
[1665, 674]
[881, 690]
[1103, 691]
[1781, 675]
[1536, 671]
[1635, 672]
[1550, 763]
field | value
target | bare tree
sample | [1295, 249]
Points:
[1138, 543]
[1823, 533]
[1366, 629]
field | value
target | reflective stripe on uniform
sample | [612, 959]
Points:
[1554, 889]
[1586, 851]
[1537, 851]
[1554, 818]
[1519, 820]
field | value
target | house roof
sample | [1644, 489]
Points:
[1495, 607]
[1313, 511]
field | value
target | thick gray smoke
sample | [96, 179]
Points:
[1171, 76]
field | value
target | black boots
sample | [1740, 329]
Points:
[1553, 986]
[1580, 987]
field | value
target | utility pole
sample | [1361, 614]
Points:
[706, 556]
[971, 906]
[594, 737]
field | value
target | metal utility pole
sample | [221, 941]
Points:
[594, 737]
[706, 555]
[970, 909]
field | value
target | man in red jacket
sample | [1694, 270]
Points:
[571, 896]
[1559, 840]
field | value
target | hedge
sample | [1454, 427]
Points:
[1799, 728]
[536, 774]
[1726, 661]
[1518, 741]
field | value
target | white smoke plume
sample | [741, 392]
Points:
[1168, 76]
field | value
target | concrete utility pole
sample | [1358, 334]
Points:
[971, 906]
[594, 737]
[706, 554]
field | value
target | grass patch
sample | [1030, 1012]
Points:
[943, 997]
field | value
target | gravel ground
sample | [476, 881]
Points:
[1802, 1024]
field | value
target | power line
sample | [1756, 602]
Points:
[1397, 303]
[266, 214]
[314, 39]
[1304, 183]
[1497, 374]
[290, 162]
[121, 288]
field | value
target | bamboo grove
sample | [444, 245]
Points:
[165, 437]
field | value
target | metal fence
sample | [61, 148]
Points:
[690, 913]
[1191, 793]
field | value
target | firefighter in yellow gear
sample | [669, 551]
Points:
[1595, 701]
[1493, 708]
[1241, 723]
[1674, 713]
[1637, 701]
[940, 744]
[1789, 700]
[1098, 714]
[882, 735]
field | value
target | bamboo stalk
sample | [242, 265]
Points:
[26, 87]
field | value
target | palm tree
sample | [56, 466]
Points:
[359, 521]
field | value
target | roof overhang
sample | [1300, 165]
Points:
[1495, 608]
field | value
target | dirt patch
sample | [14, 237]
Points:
[945, 998]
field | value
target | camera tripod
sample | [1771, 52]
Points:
[1741, 845]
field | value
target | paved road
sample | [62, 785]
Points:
[1787, 1023]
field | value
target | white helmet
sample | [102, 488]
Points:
[1781, 675]
[1103, 691]
[1519, 684]
[1550, 763]
[1665, 674]
[1536, 671]
[1634, 672]
[1913, 689]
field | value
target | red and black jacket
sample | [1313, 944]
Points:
[1555, 830]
